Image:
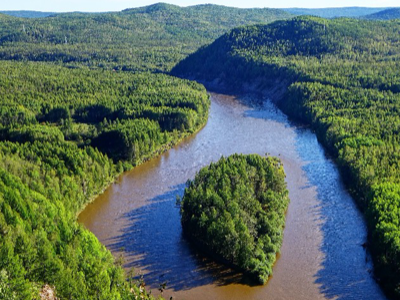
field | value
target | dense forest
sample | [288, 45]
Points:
[341, 77]
[235, 209]
[151, 38]
[64, 136]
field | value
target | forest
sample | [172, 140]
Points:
[152, 38]
[341, 77]
[85, 97]
[235, 210]
[82, 100]
[65, 134]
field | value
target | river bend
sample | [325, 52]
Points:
[322, 256]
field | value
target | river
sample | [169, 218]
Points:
[322, 256]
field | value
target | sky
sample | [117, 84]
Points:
[117, 5]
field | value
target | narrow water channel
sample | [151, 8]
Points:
[322, 255]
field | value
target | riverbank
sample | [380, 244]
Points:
[156, 153]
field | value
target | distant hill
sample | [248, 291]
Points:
[334, 12]
[152, 38]
[387, 14]
[27, 13]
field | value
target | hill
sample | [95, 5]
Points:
[387, 14]
[27, 13]
[335, 12]
[341, 77]
[149, 38]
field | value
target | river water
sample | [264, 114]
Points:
[322, 256]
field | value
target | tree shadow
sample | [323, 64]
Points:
[153, 242]
[346, 271]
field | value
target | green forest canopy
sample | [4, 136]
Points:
[153, 38]
[235, 209]
[55, 126]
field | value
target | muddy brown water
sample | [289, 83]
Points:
[322, 255]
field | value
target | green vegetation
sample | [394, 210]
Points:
[152, 38]
[56, 128]
[387, 14]
[139, 114]
[235, 209]
[71, 120]
[341, 77]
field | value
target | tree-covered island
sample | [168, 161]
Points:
[235, 210]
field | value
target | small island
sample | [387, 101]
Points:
[235, 210]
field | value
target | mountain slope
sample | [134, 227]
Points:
[149, 38]
[387, 14]
[335, 12]
[341, 77]
[27, 13]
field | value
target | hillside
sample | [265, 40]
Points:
[335, 12]
[27, 13]
[387, 14]
[341, 77]
[149, 38]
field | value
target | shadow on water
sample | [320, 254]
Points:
[153, 242]
[154, 231]
[346, 267]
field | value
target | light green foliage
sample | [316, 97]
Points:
[235, 208]
[56, 125]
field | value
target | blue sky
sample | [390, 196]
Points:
[117, 5]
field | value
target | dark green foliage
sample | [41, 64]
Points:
[235, 208]
[341, 77]
[149, 38]
[387, 14]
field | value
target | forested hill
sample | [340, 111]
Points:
[149, 38]
[341, 77]
[27, 13]
[335, 12]
[387, 14]
[296, 45]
